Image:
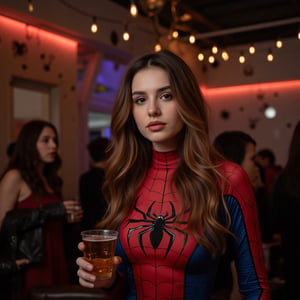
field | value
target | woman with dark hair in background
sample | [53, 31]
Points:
[176, 205]
[285, 211]
[31, 210]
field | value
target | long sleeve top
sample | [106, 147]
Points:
[162, 260]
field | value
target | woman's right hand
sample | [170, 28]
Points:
[87, 279]
[74, 211]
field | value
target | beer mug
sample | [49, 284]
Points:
[100, 247]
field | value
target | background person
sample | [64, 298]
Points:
[164, 185]
[31, 210]
[285, 213]
[265, 160]
[90, 185]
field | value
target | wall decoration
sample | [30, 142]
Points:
[19, 49]
[114, 38]
[253, 123]
[225, 114]
[47, 65]
[248, 70]
[260, 96]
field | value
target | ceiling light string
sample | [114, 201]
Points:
[94, 18]
[30, 6]
[172, 33]
[126, 34]
[133, 9]
[94, 26]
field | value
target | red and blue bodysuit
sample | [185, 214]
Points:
[162, 260]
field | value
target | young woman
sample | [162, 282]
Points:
[31, 210]
[176, 205]
[285, 212]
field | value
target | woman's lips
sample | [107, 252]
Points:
[156, 126]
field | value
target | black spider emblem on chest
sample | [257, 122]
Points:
[158, 225]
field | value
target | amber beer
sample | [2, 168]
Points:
[100, 246]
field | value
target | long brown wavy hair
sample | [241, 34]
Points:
[196, 178]
[26, 158]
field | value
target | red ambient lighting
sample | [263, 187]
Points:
[251, 87]
[46, 35]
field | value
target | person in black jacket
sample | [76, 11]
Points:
[32, 211]
[90, 185]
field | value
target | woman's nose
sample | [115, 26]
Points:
[153, 109]
[53, 143]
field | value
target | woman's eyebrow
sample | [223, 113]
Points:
[159, 90]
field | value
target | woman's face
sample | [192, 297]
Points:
[47, 145]
[155, 109]
[249, 165]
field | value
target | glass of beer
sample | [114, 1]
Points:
[100, 246]
[71, 216]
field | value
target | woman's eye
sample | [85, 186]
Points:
[45, 140]
[167, 96]
[139, 100]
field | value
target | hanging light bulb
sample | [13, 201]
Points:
[242, 58]
[225, 55]
[30, 6]
[192, 39]
[252, 49]
[94, 26]
[270, 56]
[211, 59]
[126, 35]
[279, 44]
[175, 34]
[298, 34]
[200, 56]
[133, 9]
[157, 47]
[214, 49]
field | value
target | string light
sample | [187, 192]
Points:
[157, 47]
[214, 49]
[251, 49]
[298, 34]
[175, 34]
[225, 55]
[133, 9]
[192, 39]
[211, 59]
[126, 35]
[242, 58]
[270, 56]
[279, 44]
[30, 6]
[200, 57]
[94, 26]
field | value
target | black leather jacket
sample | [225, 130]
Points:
[8, 267]
[22, 231]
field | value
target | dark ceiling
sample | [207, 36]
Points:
[228, 22]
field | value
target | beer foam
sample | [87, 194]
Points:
[96, 238]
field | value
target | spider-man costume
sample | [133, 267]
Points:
[160, 260]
